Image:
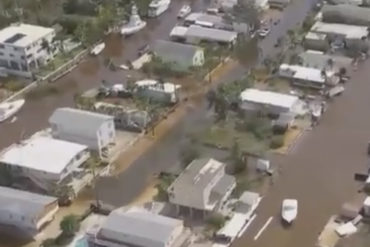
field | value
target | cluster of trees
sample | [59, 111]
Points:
[69, 225]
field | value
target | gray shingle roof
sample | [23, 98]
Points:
[174, 52]
[138, 224]
[78, 118]
[23, 202]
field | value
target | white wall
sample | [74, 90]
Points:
[24, 56]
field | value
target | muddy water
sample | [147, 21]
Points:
[89, 74]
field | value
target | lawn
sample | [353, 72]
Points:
[223, 135]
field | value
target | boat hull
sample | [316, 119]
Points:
[12, 109]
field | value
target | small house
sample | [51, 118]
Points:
[179, 56]
[166, 92]
[319, 60]
[316, 41]
[26, 212]
[346, 14]
[137, 227]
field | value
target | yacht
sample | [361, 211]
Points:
[9, 109]
[135, 24]
[97, 49]
[157, 7]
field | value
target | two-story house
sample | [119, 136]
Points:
[24, 48]
[95, 130]
[203, 186]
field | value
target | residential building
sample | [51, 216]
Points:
[347, 2]
[346, 14]
[308, 77]
[278, 4]
[24, 48]
[203, 186]
[340, 31]
[227, 5]
[197, 34]
[205, 20]
[159, 92]
[179, 56]
[95, 130]
[316, 41]
[319, 60]
[137, 227]
[43, 160]
[24, 211]
[271, 102]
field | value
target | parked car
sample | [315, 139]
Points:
[184, 11]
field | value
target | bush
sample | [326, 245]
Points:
[277, 141]
[216, 221]
[69, 225]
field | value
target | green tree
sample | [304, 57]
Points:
[244, 12]
[216, 222]
[88, 33]
[69, 225]
[237, 163]
[246, 50]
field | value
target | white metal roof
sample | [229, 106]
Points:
[303, 73]
[178, 31]
[234, 225]
[29, 33]
[211, 34]
[315, 36]
[349, 31]
[268, 98]
[41, 153]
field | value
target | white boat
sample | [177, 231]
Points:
[8, 109]
[157, 7]
[98, 48]
[184, 11]
[289, 210]
[134, 25]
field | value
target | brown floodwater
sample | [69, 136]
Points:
[318, 171]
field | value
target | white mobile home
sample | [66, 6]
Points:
[273, 103]
[308, 77]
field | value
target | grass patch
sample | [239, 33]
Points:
[223, 135]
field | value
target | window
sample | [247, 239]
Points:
[29, 55]
[11, 54]
[111, 135]
[15, 48]
[1, 53]
[22, 57]
[28, 48]
[2, 46]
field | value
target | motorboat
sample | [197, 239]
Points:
[9, 109]
[157, 7]
[134, 25]
[184, 11]
[289, 210]
[98, 48]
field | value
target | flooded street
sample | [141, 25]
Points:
[34, 116]
[318, 172]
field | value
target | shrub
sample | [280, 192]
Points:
[277, 141]
[70, 224]
[216, 221]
